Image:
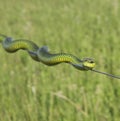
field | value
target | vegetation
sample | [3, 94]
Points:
[31, 91]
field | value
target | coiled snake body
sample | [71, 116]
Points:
[43, 55]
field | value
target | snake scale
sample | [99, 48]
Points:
[42, 54]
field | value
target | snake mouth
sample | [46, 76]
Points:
[88, 63]
[89, 66]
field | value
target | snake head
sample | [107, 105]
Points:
[85, 64]
[88, 63]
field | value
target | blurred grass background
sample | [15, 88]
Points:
[31, 91]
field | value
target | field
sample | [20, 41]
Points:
[32, 91]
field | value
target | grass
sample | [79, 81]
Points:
[31, 91]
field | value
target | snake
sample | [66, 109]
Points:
[42, 54]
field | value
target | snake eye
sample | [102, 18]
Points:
[91, 61]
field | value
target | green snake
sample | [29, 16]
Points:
[42, 54]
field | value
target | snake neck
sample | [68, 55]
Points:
[11, 46]
[54, 59]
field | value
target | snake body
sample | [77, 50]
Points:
[53, 59]
[12, 46]
[43, 55]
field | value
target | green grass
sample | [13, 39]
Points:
[31, 91]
